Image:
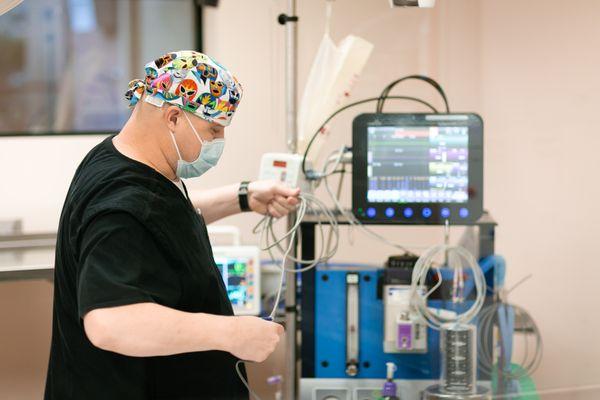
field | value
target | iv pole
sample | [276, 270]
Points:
[290, 22]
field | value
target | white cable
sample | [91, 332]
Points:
[456, 256]
[270, 241]
[271, 316]
[237, 369]
[267, 233]
[278, 297]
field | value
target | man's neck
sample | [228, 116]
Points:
[137, 143]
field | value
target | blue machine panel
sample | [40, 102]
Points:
[330, 328]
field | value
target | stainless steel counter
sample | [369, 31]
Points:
[27, 256]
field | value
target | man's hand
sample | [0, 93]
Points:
[254, 339]
[272, 197]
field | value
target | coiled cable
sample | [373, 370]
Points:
[457, 258]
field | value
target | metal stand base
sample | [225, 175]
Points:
[437, 393]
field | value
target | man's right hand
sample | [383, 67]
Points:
[254, 339]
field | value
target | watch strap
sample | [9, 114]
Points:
[243, 196]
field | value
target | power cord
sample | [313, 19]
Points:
[386, 91]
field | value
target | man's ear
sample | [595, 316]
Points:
[172, 116]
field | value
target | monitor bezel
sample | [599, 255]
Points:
[359, 169]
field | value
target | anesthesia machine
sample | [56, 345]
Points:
[429, 325]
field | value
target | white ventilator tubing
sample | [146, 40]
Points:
[457, 257]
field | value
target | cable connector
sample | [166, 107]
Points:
[347, 156]
[313, 175]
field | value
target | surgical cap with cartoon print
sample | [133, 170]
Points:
[193, 81]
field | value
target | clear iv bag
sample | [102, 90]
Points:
[332, 75]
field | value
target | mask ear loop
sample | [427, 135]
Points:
[175, 143]
[193, 129]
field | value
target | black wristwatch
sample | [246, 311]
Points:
[243, 196]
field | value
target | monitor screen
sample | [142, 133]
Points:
[239, 276]
[414, 164]
[417, 168]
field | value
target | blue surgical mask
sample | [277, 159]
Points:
[208, 157]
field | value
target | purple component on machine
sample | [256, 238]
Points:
[404, 339]
[389, 389]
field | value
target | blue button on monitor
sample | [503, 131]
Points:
[371, 212]
[445, 212]
[463, 212]
[426, 212]
[390, 212]
[408, 212]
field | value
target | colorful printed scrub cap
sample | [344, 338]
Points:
[191, 80]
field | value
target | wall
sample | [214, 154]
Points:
[538, 73]
[527, 67]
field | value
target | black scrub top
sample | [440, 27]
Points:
[129, 235]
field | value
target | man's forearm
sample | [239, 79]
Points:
[217, 203]
[149, 329]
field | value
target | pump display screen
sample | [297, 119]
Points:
[418, 164]
[417, 168]
[239, 277]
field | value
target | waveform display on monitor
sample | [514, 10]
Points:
[418, 164]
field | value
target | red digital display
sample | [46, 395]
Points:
[280, 164]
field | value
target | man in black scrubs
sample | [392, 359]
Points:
[140, 308]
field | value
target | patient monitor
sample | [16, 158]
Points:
[240, 268]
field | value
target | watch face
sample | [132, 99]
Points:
[244, 188]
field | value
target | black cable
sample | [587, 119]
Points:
[356, 103]
[386, 91]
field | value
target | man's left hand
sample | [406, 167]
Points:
[272, 197]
